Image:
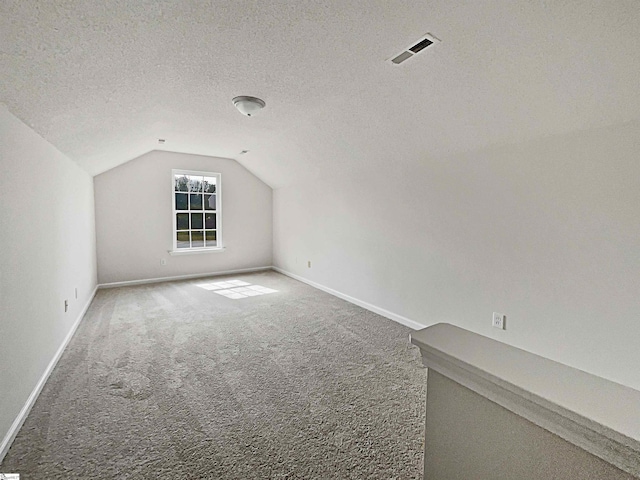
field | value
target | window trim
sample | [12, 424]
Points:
[218, 211]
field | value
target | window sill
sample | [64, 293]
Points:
[193, 251]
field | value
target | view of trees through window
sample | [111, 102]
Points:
[195, 208]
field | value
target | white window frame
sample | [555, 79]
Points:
[218, 211]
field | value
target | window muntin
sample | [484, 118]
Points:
[196, 210]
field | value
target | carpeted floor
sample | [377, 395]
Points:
[174, 381]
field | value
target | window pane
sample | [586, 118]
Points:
[210, 220]
[197, 239]
[182, 221]
[181, 183]
[210, 184]
[196, 201]
[196, 220]
[211, 238]
[182, 239]
[182, 201]
[195, 184]
[209, 202]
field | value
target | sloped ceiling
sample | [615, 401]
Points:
[102, 81]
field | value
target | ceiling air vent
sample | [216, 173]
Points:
[409, 52]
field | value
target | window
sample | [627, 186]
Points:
[196, 211]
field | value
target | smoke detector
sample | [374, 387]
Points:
[407, 53]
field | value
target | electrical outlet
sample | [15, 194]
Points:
[66, 306]
[498, 320]
[76, 293]
[309, 264]
[163, 261]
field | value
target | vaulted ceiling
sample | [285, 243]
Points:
[103, 80]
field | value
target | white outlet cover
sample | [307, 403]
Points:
[498, 320]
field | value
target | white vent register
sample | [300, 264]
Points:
[415, 48]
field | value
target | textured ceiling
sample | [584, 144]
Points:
[103, 81]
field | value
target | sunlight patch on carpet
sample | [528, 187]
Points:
[236, 289]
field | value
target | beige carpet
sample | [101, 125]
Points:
[174, 381]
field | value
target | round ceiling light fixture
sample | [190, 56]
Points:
[248, 106]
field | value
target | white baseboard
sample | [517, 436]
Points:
[22, 416]
[373, 308]
[181, 277]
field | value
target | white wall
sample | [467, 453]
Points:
[47, 239]
[546, 232]
[134, 219]
[470, 436]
